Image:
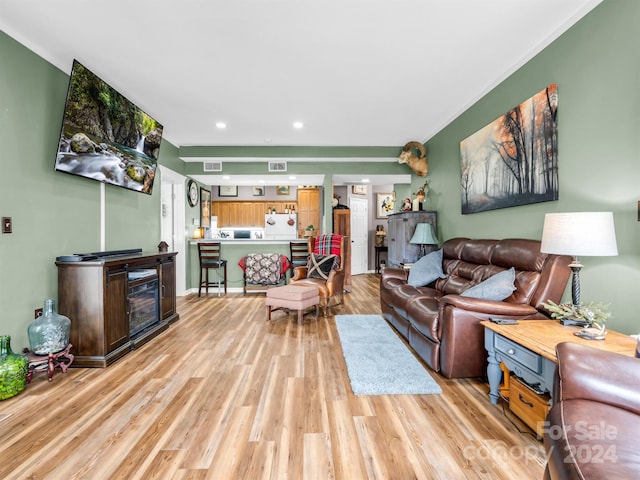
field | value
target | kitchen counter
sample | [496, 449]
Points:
[232, 250]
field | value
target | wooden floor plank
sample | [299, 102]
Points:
[225, 394]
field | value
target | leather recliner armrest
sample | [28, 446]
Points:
[591, 374]
[490, 307]
[393, 272]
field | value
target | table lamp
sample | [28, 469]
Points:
[424, 236]
[590, 234]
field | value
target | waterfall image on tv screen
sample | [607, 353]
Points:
[105, 137]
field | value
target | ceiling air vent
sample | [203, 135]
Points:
[277, 166]
[212, 166]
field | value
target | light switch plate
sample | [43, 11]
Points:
[6, 224]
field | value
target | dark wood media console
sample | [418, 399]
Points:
[106, 293]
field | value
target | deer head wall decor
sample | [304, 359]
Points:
[418, 164]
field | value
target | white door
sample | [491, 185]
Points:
[172, 222]
[359, 235]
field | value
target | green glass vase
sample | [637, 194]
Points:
[13, 369]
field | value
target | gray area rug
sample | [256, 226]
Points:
[377, 361]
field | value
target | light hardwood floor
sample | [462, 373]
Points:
[225, 395]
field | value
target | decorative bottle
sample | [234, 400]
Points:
[49, 333]
[13, 369]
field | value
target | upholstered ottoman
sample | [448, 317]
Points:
[292, 297]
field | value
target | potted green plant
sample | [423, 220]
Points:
[592, 316]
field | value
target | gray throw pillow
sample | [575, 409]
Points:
[498, 287]
[426, 270]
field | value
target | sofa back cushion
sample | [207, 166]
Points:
[467, 263]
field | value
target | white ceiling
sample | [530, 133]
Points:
[356, 72]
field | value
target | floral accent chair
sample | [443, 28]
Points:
[263, 269]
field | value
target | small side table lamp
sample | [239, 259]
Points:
[424, 236]
[590, 234]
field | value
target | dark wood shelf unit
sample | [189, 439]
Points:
[401, 228]
[94, 294]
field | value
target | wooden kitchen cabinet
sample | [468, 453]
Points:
[241, 213]
[400, 229]
[308, 209]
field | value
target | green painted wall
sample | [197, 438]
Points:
[53, 213]
[595, 67]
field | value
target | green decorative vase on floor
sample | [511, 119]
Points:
[13, 369]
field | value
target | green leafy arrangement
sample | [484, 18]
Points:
[594, 313]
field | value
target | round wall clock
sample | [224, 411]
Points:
[192, 193]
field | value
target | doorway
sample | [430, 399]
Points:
[359, 235]
[172, 222]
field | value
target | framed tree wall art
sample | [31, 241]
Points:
[513, 160]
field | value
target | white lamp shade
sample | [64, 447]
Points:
[590, 234]
[424, 235]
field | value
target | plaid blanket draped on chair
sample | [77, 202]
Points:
[327, 244]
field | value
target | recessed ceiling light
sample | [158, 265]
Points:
[261, 181]
[221, 125]
[298, 125]
[267, 140]
[226, 177]
[365, 180]
[291, 177]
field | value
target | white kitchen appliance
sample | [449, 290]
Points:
[280, 226]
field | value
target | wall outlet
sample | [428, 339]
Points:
[37, 313]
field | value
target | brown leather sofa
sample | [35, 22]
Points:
[593, 429]
[443, 327]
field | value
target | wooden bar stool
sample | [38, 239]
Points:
[209, 256]
[298, 254]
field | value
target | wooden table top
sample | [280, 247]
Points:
[542, 336]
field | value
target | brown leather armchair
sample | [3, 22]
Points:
[333, 286]
[593, 427]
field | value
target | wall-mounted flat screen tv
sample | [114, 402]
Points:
[105, 137]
